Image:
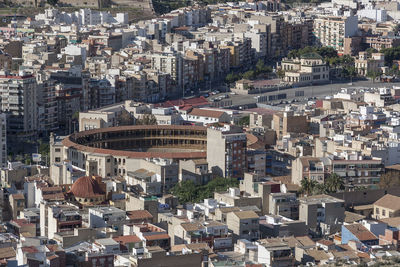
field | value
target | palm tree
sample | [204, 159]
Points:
[307, 186]
[334, 183]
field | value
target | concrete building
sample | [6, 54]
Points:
[226, 151]
[106, 217]
[287, 122]
[274, 254]
[322, 213]
[284, 204]
[17, 203]
[244, 225]
[258, 185]
[195, 170]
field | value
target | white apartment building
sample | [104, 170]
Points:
[105, 216]
[171, 63]
[331, 31]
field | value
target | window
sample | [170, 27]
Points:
[377, 210]
[58, 150]
[57, 159]
[383, 212]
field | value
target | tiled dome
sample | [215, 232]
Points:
[86, 187]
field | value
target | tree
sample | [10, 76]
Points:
[373, 75]
[260, 66]
[231, 78]
[147, 119]
[370, 50]
[185, 191]
[319, 189]
[349, 72]
[244, 121]
[388, 180]
[334, 183]
[188, 191]
[249, 75]
[307, 186]
[125, 118]
[52, 2]
[280, 73]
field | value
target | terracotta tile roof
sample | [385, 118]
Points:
[359, 231]
[30, 249]
[156, 237]
[389, 201]
[206, 113]
[54, 247]
[21, 222]
[126, 239]
[7, 252]
[139, 214]
[18, 196]
[325, 242]
[86, 187]
[192, 226]
[56, 196]
[51, 189]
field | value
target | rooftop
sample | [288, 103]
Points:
[389, 201]
[361, 232]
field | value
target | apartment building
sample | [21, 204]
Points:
[3, 140]
[284, 204]
[364, 172]
[240, 52]
[19, 94]
[47, 104]
[287, 122]
[226, 151]
[381, 42]
[331, 31]
[244, 225]
[171, 63]
[322, 213]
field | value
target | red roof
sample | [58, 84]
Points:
[139, 214]
[126, 239]
[156, 237]
[206, 113]
[30, 249]
[86, 187]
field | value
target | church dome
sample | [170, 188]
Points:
[86, 187]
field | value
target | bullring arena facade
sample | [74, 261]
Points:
[117, 150]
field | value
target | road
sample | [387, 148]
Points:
[318, 91]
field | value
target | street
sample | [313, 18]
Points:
[318, 91]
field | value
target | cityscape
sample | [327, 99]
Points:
[208, 133]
